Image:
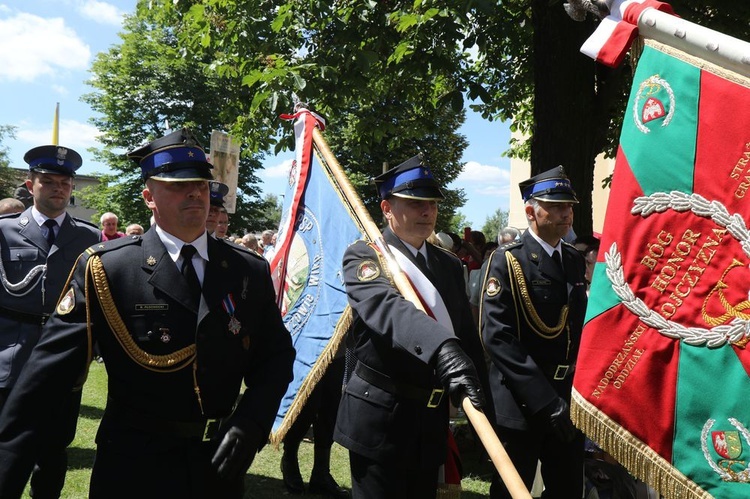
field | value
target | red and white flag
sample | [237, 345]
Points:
[612, 39]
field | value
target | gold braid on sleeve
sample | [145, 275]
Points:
[518, 284]
[158, 363]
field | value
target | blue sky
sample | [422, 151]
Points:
[46, 51]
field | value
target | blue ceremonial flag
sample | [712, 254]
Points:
[317, 225]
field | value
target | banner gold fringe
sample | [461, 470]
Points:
[642, 461]
[317, 372]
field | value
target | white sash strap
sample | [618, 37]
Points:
[425, 289]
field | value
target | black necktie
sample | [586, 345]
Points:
[556, 258]
[50, 223]
[422, 264]
[188, 270]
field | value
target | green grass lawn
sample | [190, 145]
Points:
[264, 478]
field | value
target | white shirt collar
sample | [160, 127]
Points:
[40, 219]
[174, 244]
[414, 250]
[547, 247]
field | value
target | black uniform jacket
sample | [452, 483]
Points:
[394, 338]
[519, 325]
[167, 359]
[23, 248]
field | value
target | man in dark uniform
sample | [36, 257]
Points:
[181, 319]
[39, 248]
[532, 314]
[393, 415]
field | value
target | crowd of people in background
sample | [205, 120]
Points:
[474, 250]
[259, 242]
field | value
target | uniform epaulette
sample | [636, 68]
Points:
[566, 243]
[513, 244]
[10, 215]
[85, 222]
[104, 246]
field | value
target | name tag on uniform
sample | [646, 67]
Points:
[145, 307]
[541, 282]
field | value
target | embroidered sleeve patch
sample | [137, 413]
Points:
[67, 303]
[493, 286]
[368, 270]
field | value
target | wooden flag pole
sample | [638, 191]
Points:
[56, 126]
[496, 451]
[479, 421]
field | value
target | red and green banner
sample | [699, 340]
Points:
[662, 380]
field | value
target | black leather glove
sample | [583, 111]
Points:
[457, 373]
[557, 415]
[236, 452]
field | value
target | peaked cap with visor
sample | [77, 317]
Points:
[412, 179]
[53, 159]
[552, 186]
[177, 157]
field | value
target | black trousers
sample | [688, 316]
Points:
[374, 480]
[131, 463]
[51, 463]
[562, 463]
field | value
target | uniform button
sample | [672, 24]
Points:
[367, 393]
[418, 349]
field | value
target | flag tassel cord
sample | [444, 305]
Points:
[479, 421]
[642, 461]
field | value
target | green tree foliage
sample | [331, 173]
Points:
[530, 64]
[495, 222]
[143, 84]
[457, 224]
[379, 65]
[6, 132]
[270, 217]
[107, 196]
[440, 147]
[389, 73]
[8, 176]
[387, 97]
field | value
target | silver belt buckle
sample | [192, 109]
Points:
[561, 372]
[210, 429]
